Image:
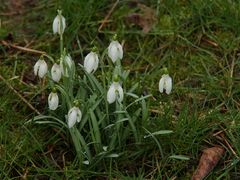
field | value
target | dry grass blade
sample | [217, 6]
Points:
[22, 48]
[19, 95]
[105, 20]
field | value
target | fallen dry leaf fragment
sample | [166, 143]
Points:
[208, 161]
[145, 18]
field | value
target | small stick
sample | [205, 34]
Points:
[105, 20]
[19, 95]
[23, 48]
[9, 14]
[230, 147]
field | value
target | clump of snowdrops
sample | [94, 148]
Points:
[101, 114]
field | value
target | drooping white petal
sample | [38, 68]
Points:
[72, 117]
[168, 84]
[161, 84]
[119, 92]
[120, 50]
[115, 92]
[165, 83]
[115, 51]
[43, 69]
[96, 63]
[57, 26]
[40, 68]
[36, 68]
[86, 162]
[105, 148]
[91, 62]
[56, 72]
[53, 101]
[111, 94]
[79, 115]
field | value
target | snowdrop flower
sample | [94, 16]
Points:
[53, 101]
[74, 115]
[91, 62]
[59, 24]
[66, 65]
[114, 93]
[105, 148]
[165, 83]
[56, 72]
[115, 51]
[40, 68]
[86, 162]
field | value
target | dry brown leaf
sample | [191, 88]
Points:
[145, 18]
[208, 161]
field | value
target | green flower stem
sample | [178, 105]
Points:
[104, 85]
[49, 57]
[76, 142]
[117, 134]
[61, 44]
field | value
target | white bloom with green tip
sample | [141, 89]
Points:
[115, 51]
[165, 83]
[53, 101]
[74, 115]
[59, 24]
[56, 72]
[66, 65]
[40, 68]
[114, 93]
[91, 62]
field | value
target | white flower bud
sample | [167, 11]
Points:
[74, 115]
[91, 62]
[56, 72]
[40, 68]
[53, 101]
[165, 83]
[66, 65]
[115, 51]
[59, 24]
[114, 93]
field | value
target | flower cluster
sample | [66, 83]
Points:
[115, 53]
[57, 70]
[63, 66]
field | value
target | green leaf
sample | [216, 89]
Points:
[179, 157]
[161, 132]
[114, 155]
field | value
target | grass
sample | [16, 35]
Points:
[197, 41]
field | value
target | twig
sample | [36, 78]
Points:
[105, 20]
[19, 95]
[9, 14]
[220, 135]
[230, 147]
[22, 48]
